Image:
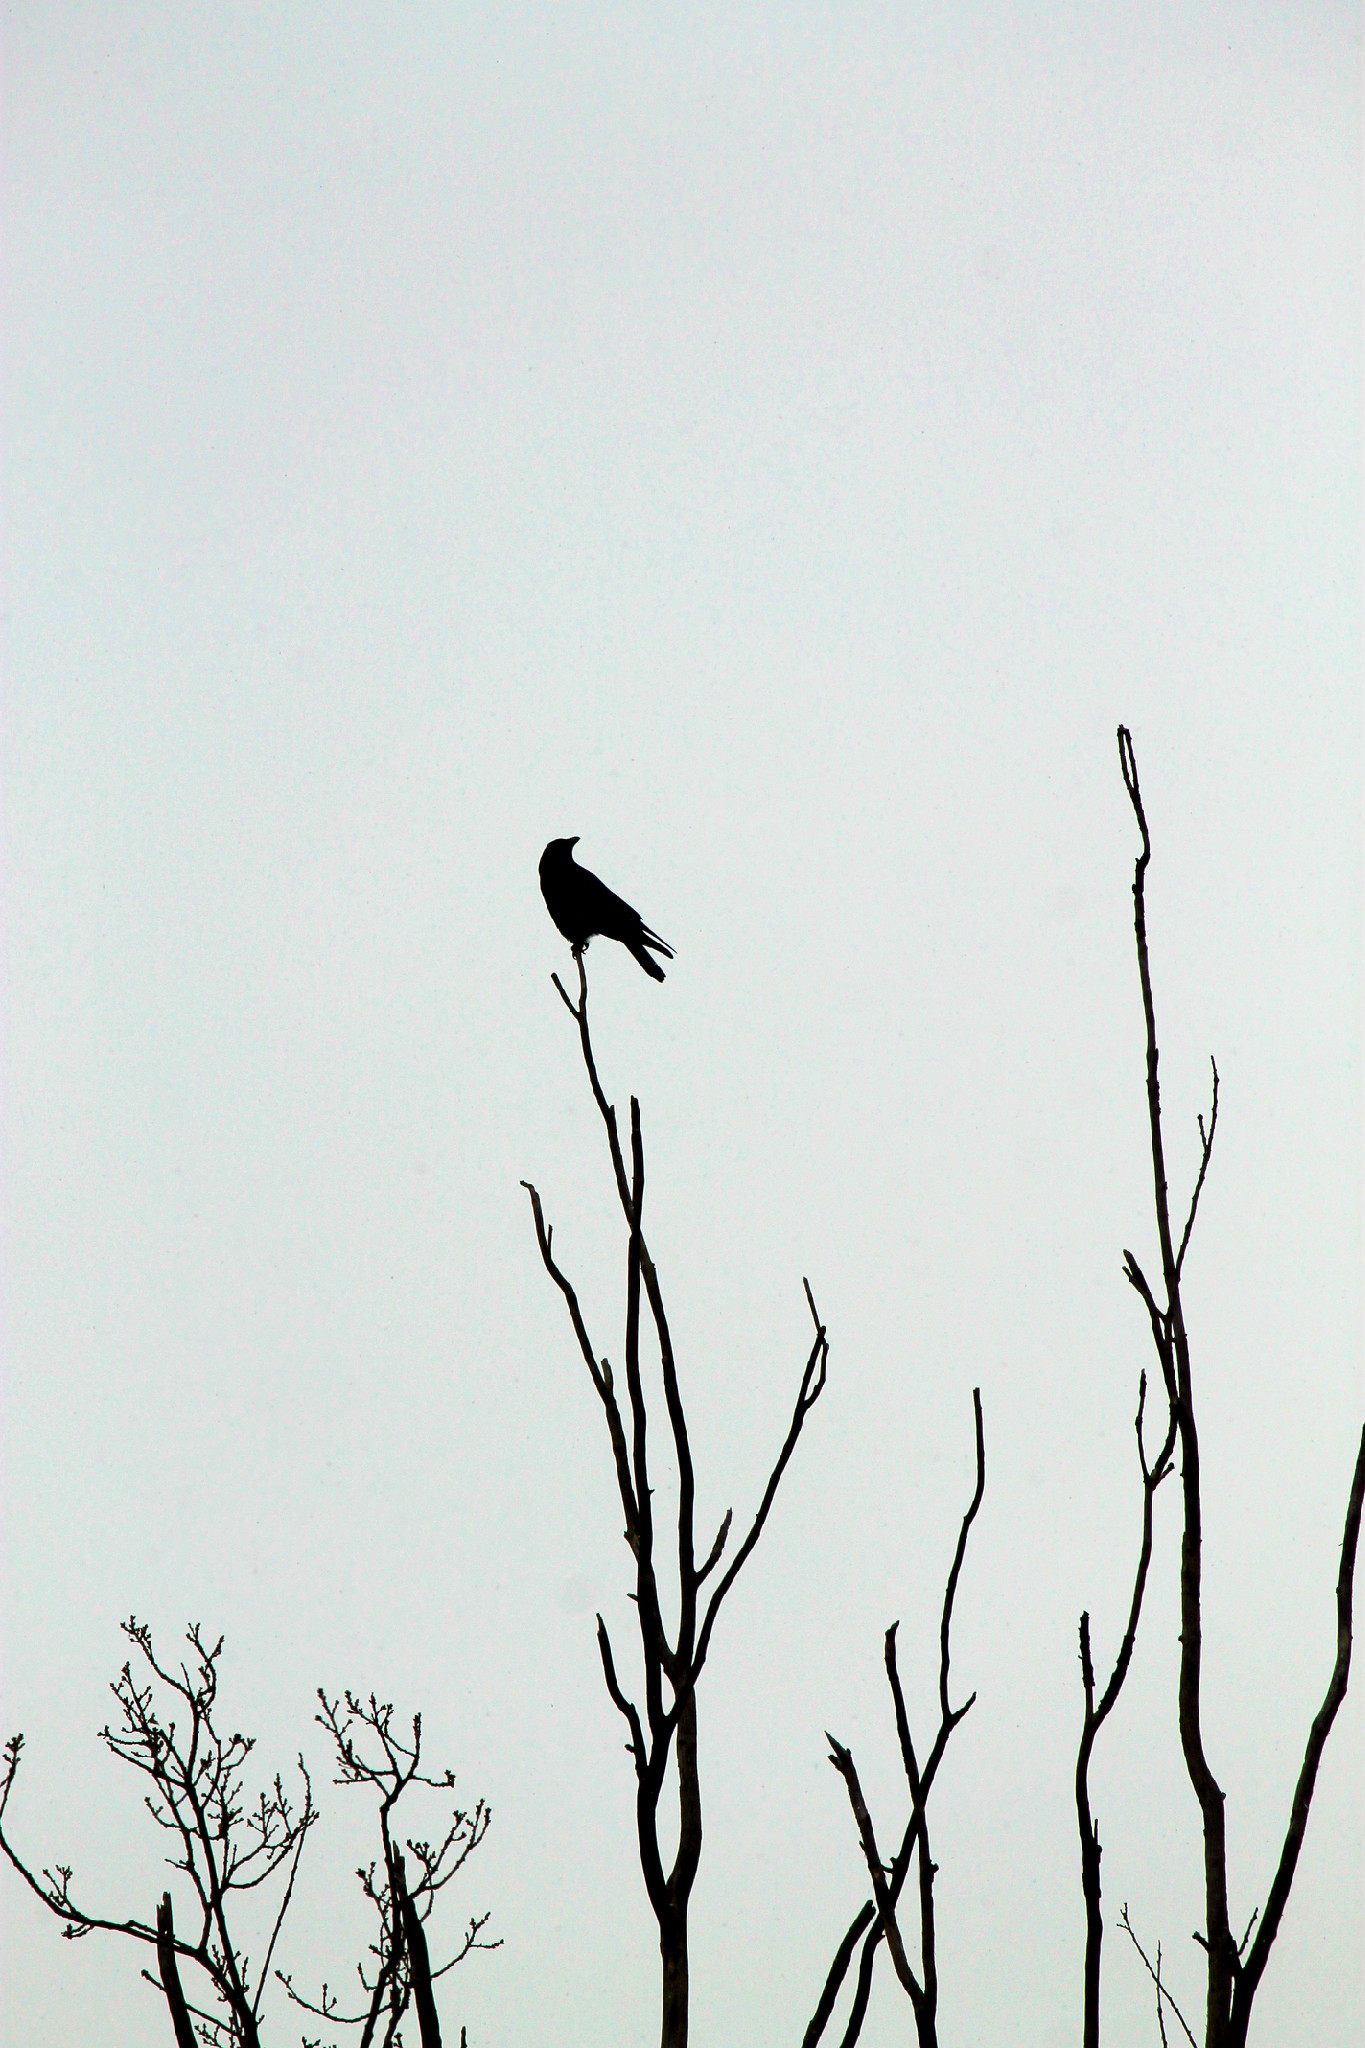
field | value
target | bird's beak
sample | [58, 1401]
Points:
[574, 841]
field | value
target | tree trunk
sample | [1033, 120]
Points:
[1094, 1924]
[673, 1919]
[673, 1949]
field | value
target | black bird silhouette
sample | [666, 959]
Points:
[585, 908]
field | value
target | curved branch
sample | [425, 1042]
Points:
[950, 1592]
[809, 1392]
[601, 1375]
[620, 1702]
[1254, 1966]
[838, 1970]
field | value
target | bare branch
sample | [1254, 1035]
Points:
[580, 1012]
[809, 1392]
[838, 1970]
[1242, 1944]
[1155, 1974]
[1161, 1333]
[288, 1894]
[1151, 1479]
[469, 1943]
[843, 1763]
[1251, 1973]
[713, 1556]
[601, 1375]
[620, 1702]
[950, 1593]
[1205, 1153]
[1095, 1717]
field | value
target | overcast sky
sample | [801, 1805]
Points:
[778, 444]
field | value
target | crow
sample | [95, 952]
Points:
[584, 908]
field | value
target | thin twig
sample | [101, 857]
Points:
[1162, 1990]
[1205, 1154]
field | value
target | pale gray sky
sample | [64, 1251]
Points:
[779, 445]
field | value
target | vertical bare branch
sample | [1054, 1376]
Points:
[1097, 1714]
[1233, 1977]
[950, 1591]
[1222, 1949]
[1205, 1154]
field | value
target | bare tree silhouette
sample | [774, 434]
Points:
[668, 1729]
[1235, 1969]
[225, 1846]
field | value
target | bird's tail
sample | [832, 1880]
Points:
[649, 938]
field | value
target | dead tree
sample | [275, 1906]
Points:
[879, 1915]
[370, 1752]
[667, 1731]
[1098, 1712]
[224, 1846]
[1235, 1969]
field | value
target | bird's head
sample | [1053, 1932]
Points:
[558, 850]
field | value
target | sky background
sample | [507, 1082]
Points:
[779, 445]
